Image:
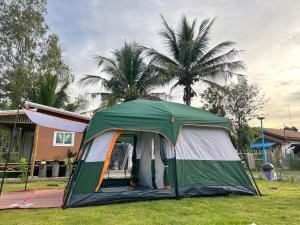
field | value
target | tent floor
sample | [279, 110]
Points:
[124, 189]
[120, 194]
[31, 199]
[122, 185]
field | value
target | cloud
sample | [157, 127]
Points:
[294, 97]
[293, 39]
[267, 32]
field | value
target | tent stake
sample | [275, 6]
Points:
[9, 148]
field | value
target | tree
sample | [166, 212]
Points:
[243, 101]
[190, 60]
[213, 99]
[239, 102]
[130, 77]
[28, 51]
[51, 93]
[80, 103]
[293, 128]
[246, 135]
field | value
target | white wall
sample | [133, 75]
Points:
[285, 148]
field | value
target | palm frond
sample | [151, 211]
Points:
[175, 86]
[214, 84]
[224, 66]
[90, 80]
[186, 31]
[219, 75]
[61, 96]
[218, 49]
[108, 100]
[170, 38]
[200, 44]
[205, 27]
[159, 58]
[104, 60]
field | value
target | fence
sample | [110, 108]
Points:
[276, 157]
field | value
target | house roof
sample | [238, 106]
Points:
[283, 134]
[40, 107]
[7, 117]
[10, 112]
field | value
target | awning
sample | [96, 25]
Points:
[258, 145]
[54, 122]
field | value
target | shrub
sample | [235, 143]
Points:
[23, 169]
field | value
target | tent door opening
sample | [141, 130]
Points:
[138, 163]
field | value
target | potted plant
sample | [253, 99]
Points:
[69, 162]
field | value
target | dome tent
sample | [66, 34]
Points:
[178, 151]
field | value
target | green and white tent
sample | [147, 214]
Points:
[177, 151]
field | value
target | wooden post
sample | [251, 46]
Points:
[36, 136]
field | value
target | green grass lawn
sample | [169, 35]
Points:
[279, 205]
[34, 185]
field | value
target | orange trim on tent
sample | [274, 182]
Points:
[107, 159]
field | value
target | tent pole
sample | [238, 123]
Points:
[176, 181]
[9, 148]
[247, 164]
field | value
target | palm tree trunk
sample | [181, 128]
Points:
[187, 94]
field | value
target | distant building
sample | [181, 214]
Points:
[37, 143]
[278, 139]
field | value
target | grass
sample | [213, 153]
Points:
[284, 174]
[279, 205]
[34, 185]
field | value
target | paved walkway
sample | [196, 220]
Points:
[31, 199]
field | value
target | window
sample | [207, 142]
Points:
[63, 138]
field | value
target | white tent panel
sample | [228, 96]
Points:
[169, 149]
[196, 143]
[159, 165]
[129, 150]
[143, 152]
[54, 122]
[99, 147]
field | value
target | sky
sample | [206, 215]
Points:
[268, 32]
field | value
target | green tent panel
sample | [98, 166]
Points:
[158, 116]
[175, 151]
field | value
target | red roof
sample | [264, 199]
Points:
[283, 134]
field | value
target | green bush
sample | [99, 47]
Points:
[293, 161]
[23, 169]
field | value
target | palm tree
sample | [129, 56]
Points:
[130, 77]
[50, 93]
[190, 60]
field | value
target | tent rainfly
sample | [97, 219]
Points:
[178, 151]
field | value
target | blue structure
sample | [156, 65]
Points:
[258, 145]
[263, 140]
